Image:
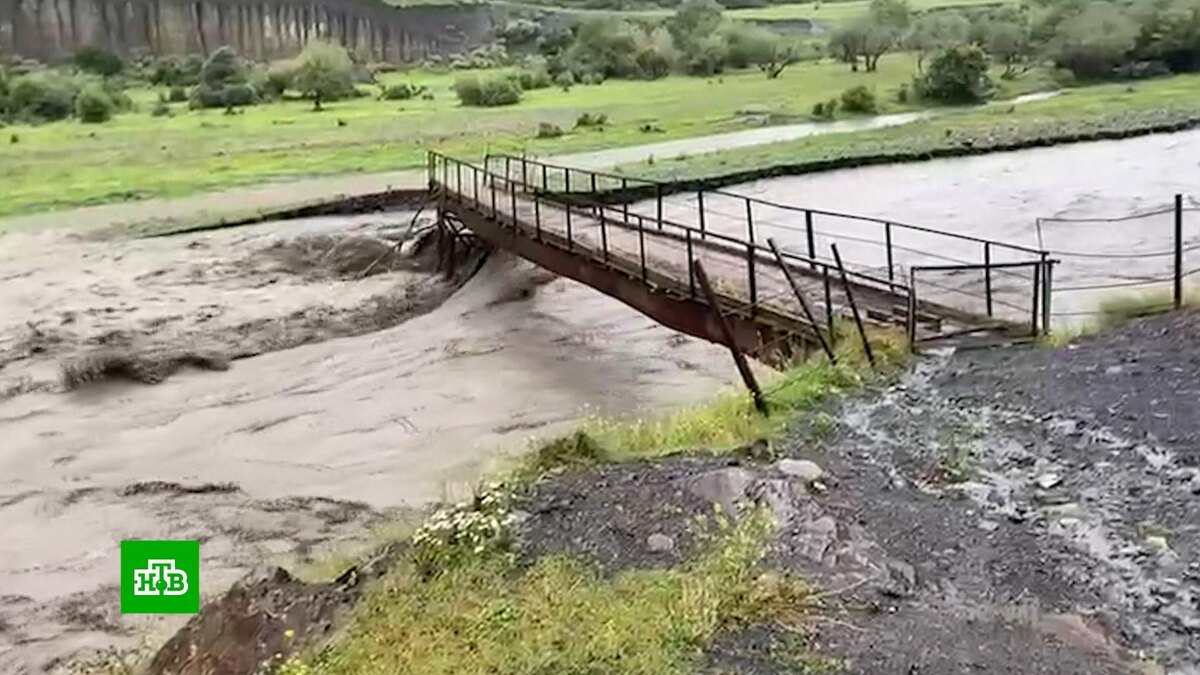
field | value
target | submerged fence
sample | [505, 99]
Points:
[1154, 254]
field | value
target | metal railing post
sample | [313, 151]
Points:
[700, 199]
[537, 216]
[512, 191]
[603, 234]
[1046, 293]
[642, 244]
[524, 173]
[753, 281]
[987, 275]
[887, 235]
[545, 182]
[1178, 251]
[1036, 299]
[808, 228]
[828, 304]
[659, 196]
[458, 179]
[691, 273]
[570, 242]
[750, 220]
[862, 331]
[567, 180]
[625, 201]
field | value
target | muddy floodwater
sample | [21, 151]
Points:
[341, 382]
[287, 454]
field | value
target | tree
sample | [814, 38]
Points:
[1095, 41]
[865, 39]
[1170, 33]
[93, 105]
[224, 82]
[894, 14]
[324, 72]
[934, 32]
[749, 45]
[1010, 44]
[694, 20]
[97, 60]
[957, 75]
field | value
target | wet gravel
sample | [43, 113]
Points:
[1020, 510]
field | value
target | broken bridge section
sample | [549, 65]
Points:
[775, 271]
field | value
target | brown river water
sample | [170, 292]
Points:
[294, 452]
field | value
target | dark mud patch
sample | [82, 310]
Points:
[264, 618]
[150, 367]
[343, 256]
[158, 487]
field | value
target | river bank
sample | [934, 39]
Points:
[929, 524]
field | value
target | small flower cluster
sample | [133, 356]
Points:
[467, 528]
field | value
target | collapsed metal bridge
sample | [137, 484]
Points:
[780, 276]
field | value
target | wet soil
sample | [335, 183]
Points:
[1005, 511]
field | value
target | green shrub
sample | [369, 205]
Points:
[826, 110]
[177, 94]
[957, 75]
[902, 94]
[548, 130]
[93, 105]
[401, 92]
[97, 60]
[224, 82]
[240, 95]
[859, 100]
[533, 79]
[565, 79]
[591, 79]
[160, 109]
[591, 120]
[491, 92]
[279, 78]
[42, 96]
[324, 72]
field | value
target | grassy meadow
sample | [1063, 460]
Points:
[1075, 111]
[826, 13]
[138, 156]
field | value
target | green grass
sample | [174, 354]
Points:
[1075, 111]
[561, 615]
[818, 12]
[139, 156]
[841, 12]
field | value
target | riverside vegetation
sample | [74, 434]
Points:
[464, 600]
[167, 127]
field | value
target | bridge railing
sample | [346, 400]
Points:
[748, 274]
[993, 279]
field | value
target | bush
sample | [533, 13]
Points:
[224, 82]
[533, 79]
[42, 96]
[97, 60]
[902, 94]
[177, 94]
[491, 92]
[1141, 70]
[591, 120]
[401, 92]
[859, 100]
[324, 72]
[548, 130]
[957, 75]
[93, 105]
[565, 79]
[826, 110]
[160, 109]
[279, 78]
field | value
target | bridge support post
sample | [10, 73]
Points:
[727, 334]
[862, 332]
[787, 273]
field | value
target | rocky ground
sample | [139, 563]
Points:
[1026, 510]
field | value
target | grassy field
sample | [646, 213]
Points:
[1074, 111]
[819, 12]
[840, 12]
[138, 156]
